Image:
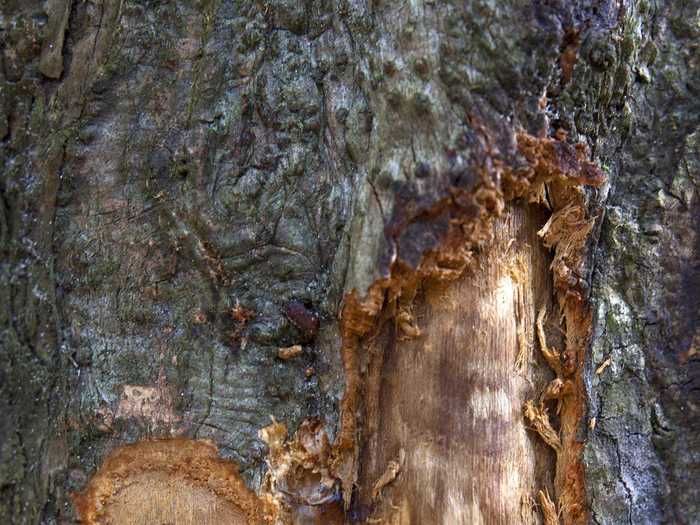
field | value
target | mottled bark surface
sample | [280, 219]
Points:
[644, 454]
[189, 186]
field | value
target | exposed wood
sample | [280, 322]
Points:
[170, 481]
[452, 397]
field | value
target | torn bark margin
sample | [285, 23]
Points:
[465, 219]
[298, 479]
[566, 233]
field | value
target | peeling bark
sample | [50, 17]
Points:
[327, 211]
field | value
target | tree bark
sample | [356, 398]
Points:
[450, 247]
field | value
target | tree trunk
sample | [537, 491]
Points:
[337, 261]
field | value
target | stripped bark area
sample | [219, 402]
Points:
[451, 398]
[552, 167]
[189, 190]
[170, 481]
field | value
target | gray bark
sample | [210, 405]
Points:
[188, 185]
[643, 455]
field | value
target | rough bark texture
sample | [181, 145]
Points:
[189, 186]
[644, 453]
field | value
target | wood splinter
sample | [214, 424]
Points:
[549, 509]
[392, 471]
[605, 364]
[407, 326]
[538, 417]
[551, 355]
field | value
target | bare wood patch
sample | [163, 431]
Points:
[471, 212]
[150, 405]
[170, 481]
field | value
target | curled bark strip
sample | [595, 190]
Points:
[539, 419]
[289, 352]
[549, 509]
[551, 355]
[407, 325]
[392, 471]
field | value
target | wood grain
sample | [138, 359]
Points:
[452, 398]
